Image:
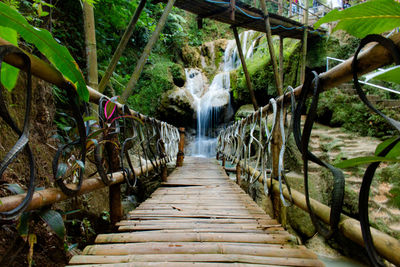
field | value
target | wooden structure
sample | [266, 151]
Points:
[198, 216]
[222, 10]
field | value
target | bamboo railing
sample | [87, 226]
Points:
[49, 196]
[369, 60]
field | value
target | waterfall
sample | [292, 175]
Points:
[210, 100]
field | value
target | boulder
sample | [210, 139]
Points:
[244, 111]
[176, 107]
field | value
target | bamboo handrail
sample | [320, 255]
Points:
[368, 60]
[48, 73]
[53, 195]
[386, 245]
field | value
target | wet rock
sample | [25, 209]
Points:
[244, 111]
[178, 75]
[176, 107]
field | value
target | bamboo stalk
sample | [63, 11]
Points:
[244, 66]
[121, 46]
[138, 237]
[90, 42]
[226, 258]
[200, 248]
[146, 52]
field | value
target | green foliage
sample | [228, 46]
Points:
[42, 39]
[155, 80]
[375, 16]
[347, 111]
[9, 74]
[54, 220]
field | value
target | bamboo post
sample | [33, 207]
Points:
[304, 52]
[121, 46]
[164, 169]
[238, 174]
[181, 147]
[246, 72]
[278, 81]
[281, 58]
[115, 189]
[90, 42]
[146, 52]
[233, 7]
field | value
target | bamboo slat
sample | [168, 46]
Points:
[230, 258]
[211, 223]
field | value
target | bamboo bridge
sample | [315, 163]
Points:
[239, 14]
[198, 216]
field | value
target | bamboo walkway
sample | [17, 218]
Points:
[198, 217]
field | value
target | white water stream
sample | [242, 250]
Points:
[210, 100]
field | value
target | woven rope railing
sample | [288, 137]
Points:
[109, 143]
[241, 144]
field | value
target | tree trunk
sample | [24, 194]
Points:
[121, 46]
[90, 42]
[146, 52]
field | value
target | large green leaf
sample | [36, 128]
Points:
[9, 74]
[363, 160]
[374, 16]
[389, 75]
[57, 54]
[54, 221]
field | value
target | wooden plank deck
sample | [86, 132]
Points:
[198, 217]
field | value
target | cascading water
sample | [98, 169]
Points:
[209, 101]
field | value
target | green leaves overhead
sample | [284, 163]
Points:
[57, 54]
[9, 74]
[375, 16]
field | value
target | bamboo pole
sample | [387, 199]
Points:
[181, 148]
[385, 245]
[233, 7]
[281, 66]
[200, 248]
[278, 81]
[304, 52]
[121, 46]
[244, 66]
[90, 42]
[52, 195]
[136, 237]
[146, 52]
[114, 162]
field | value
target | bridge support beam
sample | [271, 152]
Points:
[244, 66]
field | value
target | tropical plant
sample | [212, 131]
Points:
[51, 217]
[372, 17]
[57, 54]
